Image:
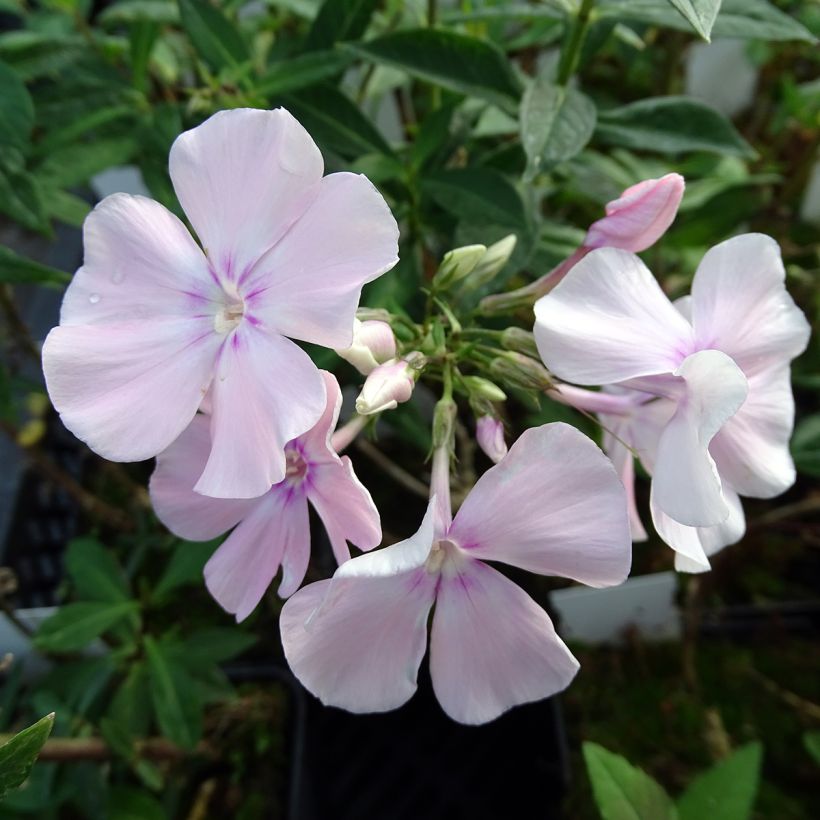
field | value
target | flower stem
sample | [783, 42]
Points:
[571, 52]
[592, 401]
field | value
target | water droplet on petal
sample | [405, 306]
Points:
[94, 298]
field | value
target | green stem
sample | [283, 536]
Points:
[571, 52]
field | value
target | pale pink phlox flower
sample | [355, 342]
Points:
[152, 321]
[490, 437]
[272, 530]
[718, 362]
[553, 506]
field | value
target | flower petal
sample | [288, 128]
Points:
[357, 642]
[685, 480]
[740, 304]
[140, 264]
[609, 321]
[345, 507]
[752, 448]
[243, 178]
[553, 505]
[266, 392]
[308, 285]
[186, 513]
[616, 431]
[276, 530]
[129, 389]
[492, 647]
[684, 540]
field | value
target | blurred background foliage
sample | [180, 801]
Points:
[476, 119]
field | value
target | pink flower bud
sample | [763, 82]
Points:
[490, 437]
[389, 384]
[639, 217]
[373, 344]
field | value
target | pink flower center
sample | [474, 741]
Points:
[231, 311]
[296, 468]
[445, 557]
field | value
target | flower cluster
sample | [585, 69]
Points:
[183, 351]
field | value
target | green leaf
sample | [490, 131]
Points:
[747, 19]
[302, 71]
[459, 62]
[701, 14]
[555, 123]
[131, 707]
[96, 573]
[21, 196]
[811, 740]
[67, 207]
[336, 123]
[128, 803]
[477, 194]
[339, 20]
[177, 707]
[134, 11]
[805, 445]
[74, 626]
[18, 755]
[671, 125]
[727, 791]
[15, 268]
[213, 35]
[16, 110]
[185, 567]
[208, 647]
[623, 792]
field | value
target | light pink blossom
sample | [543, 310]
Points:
[270, 531]
[717, 363]
[639, 217]
[553, 506]
[152, 321]
[373, 344]
[388, 385]
[490, 437]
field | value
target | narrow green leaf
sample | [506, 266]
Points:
[173, 693]
[555, 123]
[302, 71]
[208, 647]
[623, 792]
[74, 626]
[128, 803]
[131, 705]
[339, 20]
[811, 740]
[21, 196]
[700, 14]
[336, 123]
[16, 110]
[96, 574]
[18, 755]
[134, 11]
[67, 207]
[727, 791]
[805, 445]
[671, 125]
[456, 61]
[15, 268]
[185, 567]
[213, 35]
[746, 19]
[477, 194]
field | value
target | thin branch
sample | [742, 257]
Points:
[398, 474]
[95, 748]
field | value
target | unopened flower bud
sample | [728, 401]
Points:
[490, 437]
[444, 420]
[518, 370]
[373, 344]
[497, 255]
[520, 340]
[639, 217]
[457, 264]
[483, 388]
[389, 384]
